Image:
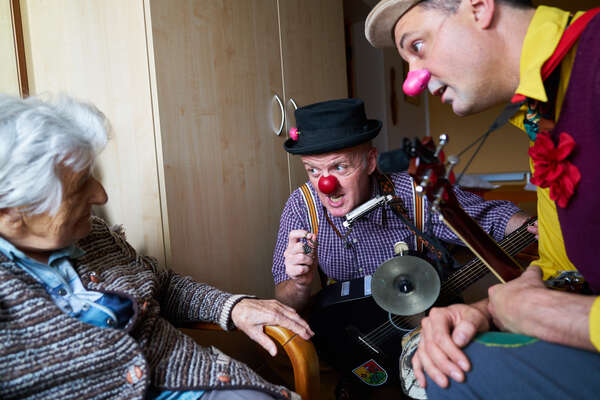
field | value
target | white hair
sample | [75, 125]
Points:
[36, 136]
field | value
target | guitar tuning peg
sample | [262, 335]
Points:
[441, 144]
[424, 182]
[452, 161]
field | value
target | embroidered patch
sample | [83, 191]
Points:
[371, 373]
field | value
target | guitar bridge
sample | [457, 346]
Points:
[355, 333]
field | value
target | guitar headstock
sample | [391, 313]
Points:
[430, 170]
[432, 174]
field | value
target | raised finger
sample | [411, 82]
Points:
[294, 248]
[295, 236]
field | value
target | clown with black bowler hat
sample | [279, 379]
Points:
[333, 139]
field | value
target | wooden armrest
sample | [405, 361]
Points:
[302, 355]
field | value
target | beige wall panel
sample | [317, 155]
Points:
[504, 151]
[96, 51]
[218, 68]
[314, 59]
[411, 113]
[9, 80]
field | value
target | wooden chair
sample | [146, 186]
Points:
[301, 353]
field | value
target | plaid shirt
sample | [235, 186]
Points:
[372, 238]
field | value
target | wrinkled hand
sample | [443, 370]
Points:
[443, 333]
[251, 315]
[533, 228]
[298, 265]
[506, 300]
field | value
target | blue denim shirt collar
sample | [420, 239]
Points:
[17, 256]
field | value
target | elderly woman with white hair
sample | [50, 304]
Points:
[82, 315]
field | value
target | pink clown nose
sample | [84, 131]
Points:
[328, 184]
[416, 82]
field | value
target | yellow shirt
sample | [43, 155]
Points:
[543, 35]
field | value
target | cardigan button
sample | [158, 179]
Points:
[94, 277]
[224, 378]
[144, 306]
[134, 374]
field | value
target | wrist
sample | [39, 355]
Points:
[226, 317]
[302, 284]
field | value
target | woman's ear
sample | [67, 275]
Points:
[11, 219]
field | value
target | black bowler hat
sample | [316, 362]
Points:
[331, 125]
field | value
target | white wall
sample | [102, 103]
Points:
[372, 84]
[368, 80]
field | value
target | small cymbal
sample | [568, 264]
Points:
[405, 285]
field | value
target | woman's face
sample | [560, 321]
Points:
[44, 233]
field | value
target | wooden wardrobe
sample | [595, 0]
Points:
[195, 91]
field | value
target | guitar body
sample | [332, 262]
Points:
[359, 338]
[341, 340]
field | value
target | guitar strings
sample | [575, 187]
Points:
[460, 279]
[387, 329]
[474, 272]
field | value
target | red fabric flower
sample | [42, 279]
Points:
[551, 167]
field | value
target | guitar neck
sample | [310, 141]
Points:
[475, 269]
[480, 243]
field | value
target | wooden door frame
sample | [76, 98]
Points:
[19, 43]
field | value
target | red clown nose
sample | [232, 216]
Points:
[328, 184]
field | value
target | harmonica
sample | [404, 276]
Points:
[365, 208]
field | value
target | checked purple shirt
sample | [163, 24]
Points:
[372, 238]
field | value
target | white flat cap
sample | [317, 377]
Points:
[382, 19]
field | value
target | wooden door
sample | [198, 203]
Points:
[314, 59]
[96, 51]
[9, 78]
[218, 67]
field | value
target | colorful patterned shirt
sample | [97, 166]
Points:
[543, 35]
[372, 238]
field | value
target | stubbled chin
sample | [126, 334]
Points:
[337, 212]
